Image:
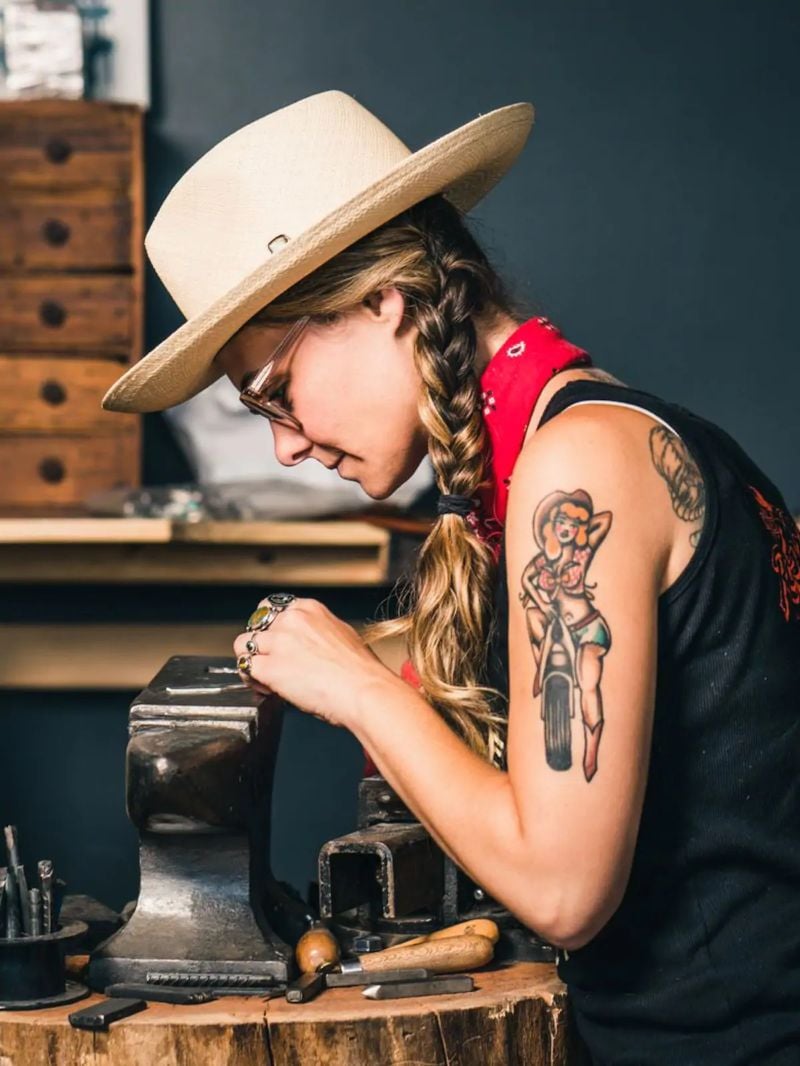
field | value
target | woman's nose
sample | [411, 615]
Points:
[291, 447]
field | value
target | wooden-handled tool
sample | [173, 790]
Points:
[450, 954]
[317, 947]
[479, 926]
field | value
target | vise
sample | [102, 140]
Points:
[389, 880]
[199, 772]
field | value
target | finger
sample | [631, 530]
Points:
[250, 644]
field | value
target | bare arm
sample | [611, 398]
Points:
[553, 847]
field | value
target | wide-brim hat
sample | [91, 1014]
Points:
[278, 198]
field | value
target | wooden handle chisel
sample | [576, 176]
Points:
[446, 955]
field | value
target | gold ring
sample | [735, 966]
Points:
[244, 664]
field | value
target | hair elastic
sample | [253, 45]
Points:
[460, 505]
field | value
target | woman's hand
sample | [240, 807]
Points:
[313, 660]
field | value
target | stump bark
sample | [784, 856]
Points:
[518, 1015]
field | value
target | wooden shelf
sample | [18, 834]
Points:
[159, 551]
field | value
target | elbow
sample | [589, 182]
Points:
[567, 920]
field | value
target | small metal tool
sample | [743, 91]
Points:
[101, 1015]
[35, 908]
[24, 898]
[306, 987]
[10, 833]
[202, 690]
[157, 994]
[264, 992]
[240, 983]
[436, 986]
[13, 923]
[46, 882]
[3, 878]
[375, 977]
[59, 888]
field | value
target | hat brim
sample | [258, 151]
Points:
[462, 165]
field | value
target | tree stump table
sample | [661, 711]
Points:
[517, 1016]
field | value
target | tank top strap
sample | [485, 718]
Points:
[586, 391]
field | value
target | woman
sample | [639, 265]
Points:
[330, 274]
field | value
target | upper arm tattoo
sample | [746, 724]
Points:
[567, 633]
[687, 489]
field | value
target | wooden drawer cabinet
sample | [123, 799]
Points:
[83, 314]
[65, 234]
[50, 395]
[71, 283]
[47, 144]
[60, 472]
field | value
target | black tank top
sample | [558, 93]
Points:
[700, 964]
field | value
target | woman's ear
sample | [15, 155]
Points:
[373, 301]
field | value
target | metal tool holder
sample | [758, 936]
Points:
[200, 766]
[32, 970]
[390, 880]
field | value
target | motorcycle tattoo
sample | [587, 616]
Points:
[568, 635]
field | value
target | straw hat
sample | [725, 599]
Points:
[277, 199]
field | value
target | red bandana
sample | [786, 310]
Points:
[511, 384]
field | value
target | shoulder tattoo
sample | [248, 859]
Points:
[685, 483]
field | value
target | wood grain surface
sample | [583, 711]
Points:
[517, 1016]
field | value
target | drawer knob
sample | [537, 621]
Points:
[57, 150]
[52, 313]
[53, 392]
[55, 232]
[52, 471]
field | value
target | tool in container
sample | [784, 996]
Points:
[45, 868]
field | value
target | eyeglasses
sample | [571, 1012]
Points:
[256, 393]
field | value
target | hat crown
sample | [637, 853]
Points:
[264, 184]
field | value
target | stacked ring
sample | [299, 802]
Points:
[244, 663]
[251, 646]
[264, 615]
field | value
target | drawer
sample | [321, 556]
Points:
[42, 395]
[91, 313]
[55, 144]
[56, 234]
[63, 471]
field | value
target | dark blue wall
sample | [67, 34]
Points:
[652, 215]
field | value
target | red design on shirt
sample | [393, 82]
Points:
[785, 554]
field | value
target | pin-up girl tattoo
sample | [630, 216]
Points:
[568, 635]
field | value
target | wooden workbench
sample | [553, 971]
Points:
[517, 1016]
[129, 553]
